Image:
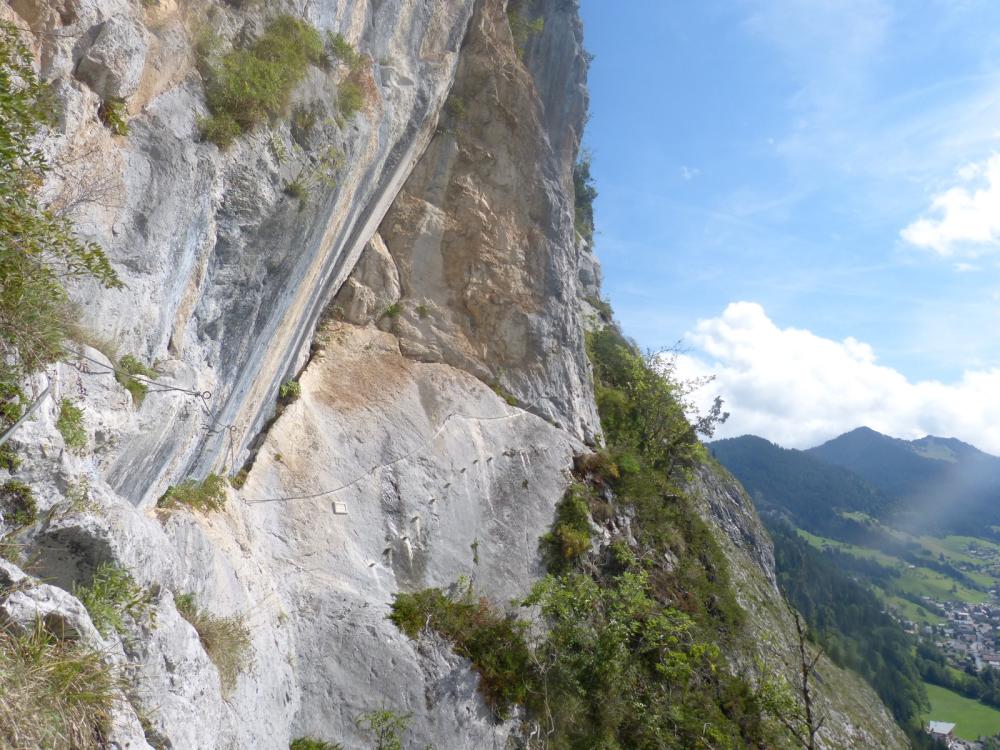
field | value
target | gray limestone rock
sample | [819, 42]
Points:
[113, 65]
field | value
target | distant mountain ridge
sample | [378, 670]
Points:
[924, 483]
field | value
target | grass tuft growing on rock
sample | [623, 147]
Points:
[70, 425]
[494, 642]
[131, 374]
[207, 495]
[17, 503]
[308, 743]
[226, 640]
[247, 87]
[56, 694]
[111, 596]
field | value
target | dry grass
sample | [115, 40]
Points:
[226, 640]
[54, 694]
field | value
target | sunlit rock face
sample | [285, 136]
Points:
[429, 299]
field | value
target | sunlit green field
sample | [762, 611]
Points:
[913, 580]
[972, 719]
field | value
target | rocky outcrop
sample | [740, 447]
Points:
[482, 233]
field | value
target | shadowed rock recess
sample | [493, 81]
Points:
[399, 241]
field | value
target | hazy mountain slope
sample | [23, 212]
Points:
[935, 482]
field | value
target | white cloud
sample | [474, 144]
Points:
[798, 389]
[689, 173]
[967, 218]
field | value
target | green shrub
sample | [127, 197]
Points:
[226, 640]
[385, 728]
[250, 86]
[522, 28]
[114, 115]
[38, 250]
[341, 49]
[423, 311]
[17, 503]
[207, 495]
[503, 393]
[111, 596]
[392, 311]
[495, 643]
[308, 743]
[569, 539]
[12, 404]
[455, 106]
[132, 375]
[350, 99]
[239, 478]
[70, 425]
[290, 391]
[584, 196]
[56, 693]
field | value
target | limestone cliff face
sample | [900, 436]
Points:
[444, 392]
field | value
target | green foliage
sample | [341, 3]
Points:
[38, 250]
[70, 425]
[56, 693]
[385, 728]
[503, 393]
[522, 28]
[495, 643]
[341, 49]
[602, 306]
[207, 495]
[584, 196]
[455, 107]
[17, 503]
[246, 87]
[350, 99]
[392, 311]
[132, 374]
[226, 640]
[239, 478]
[290, 391]
[111, 596]
[12, 404]
[308, 743]
[114, 114]
[569, 539]
[423, 311]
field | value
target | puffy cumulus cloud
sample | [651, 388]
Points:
[798, 389]
[967, 218]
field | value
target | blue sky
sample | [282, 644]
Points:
[828, 161]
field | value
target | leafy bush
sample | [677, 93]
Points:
[38, 250]
[56, 693]
[392, 311]
[70, 425]
[495, 643]
[350, 99]
[12, 403]
[522, 28]
[585, 194]
[249, 86]
[132, 374]
[341, 49]
[17, 503]
[570, 536]
[385, 727]
[290, 391]
[111, 596]
[308, 743]
[114, 114]
[207, 495]
[226, 640]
